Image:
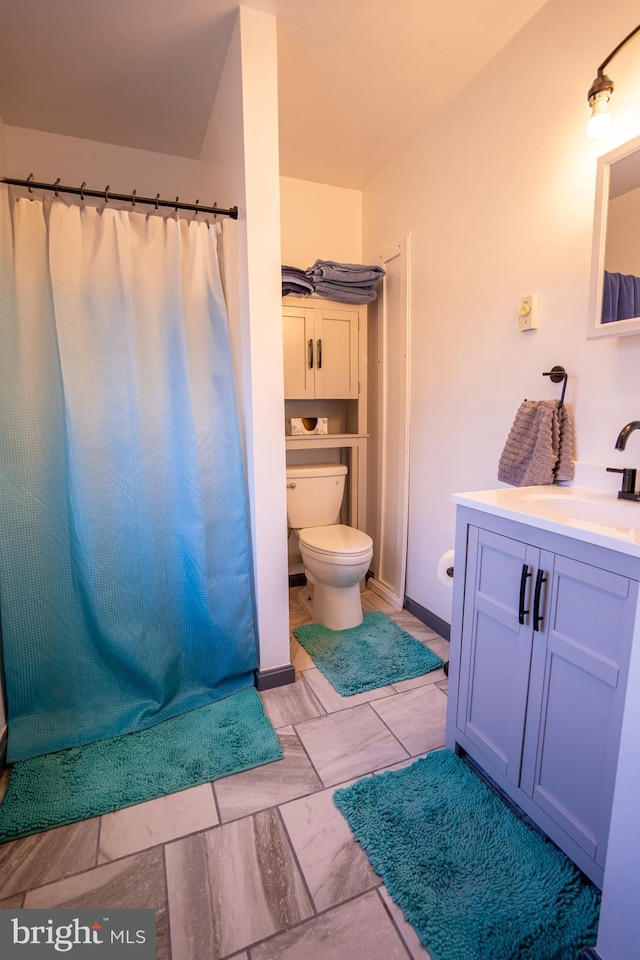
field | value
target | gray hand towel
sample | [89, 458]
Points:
[539, 448]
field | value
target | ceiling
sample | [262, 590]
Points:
[357, 78]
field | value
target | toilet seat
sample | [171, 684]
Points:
[337, 543]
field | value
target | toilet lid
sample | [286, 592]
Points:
[336, 538]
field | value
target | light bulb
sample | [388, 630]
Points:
[600, 120]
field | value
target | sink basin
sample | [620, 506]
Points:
[623, 516]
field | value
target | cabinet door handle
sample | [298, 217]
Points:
[319, 354]
[526, 573]
[537, 618]
[310, 349]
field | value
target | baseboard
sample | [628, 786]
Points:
[590, 954]
[276, 677]
[429, 618]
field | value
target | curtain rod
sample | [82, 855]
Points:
[132, 198]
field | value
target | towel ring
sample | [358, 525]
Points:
[558, 374]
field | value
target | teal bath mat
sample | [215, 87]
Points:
[222, 738]
[473, 880]
[376, 653]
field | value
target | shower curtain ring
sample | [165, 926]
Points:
[176, 210]
[106, 194]
[30, 177]
[196, 210]
[133, 199]
[82, 186]
[157, 198]
[215, 215]
[55, 187]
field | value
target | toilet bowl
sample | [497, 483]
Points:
[336, 557]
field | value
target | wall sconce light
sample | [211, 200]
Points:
[600, 93]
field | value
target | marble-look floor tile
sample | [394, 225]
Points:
[443, 685]
[411, 623]
[407, 932]
[371, 601]
[47, 856]
[291, 703]
[244, 793]
[349, 744]
[332, 701]
[417, 718]
[358, 929]
[156, 821]
[239, 880]
[136, 881]
[422, 681]
[12, 903]
[300, 659]
[334, 865]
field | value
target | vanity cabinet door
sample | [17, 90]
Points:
[496, 647]
[576, 697]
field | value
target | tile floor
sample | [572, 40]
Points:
[259, 865]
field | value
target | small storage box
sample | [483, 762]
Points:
[307, 426]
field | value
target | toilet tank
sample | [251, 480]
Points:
[314, 494]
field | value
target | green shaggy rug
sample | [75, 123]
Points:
[205, 744]
[374, 654]
[473, 880]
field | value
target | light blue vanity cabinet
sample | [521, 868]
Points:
[541, 638]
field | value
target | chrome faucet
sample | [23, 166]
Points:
[628, 491]
[623, 436]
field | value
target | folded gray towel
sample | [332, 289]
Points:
[539, 448]
[359, 273]
[345, 293]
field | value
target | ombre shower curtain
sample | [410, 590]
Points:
[125, 590]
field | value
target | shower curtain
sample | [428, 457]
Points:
[125, 590]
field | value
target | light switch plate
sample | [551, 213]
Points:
[528, 312]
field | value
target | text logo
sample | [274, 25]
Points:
[79, 934]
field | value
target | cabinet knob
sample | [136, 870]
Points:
[291, 486]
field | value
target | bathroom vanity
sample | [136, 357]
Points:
[545, 614]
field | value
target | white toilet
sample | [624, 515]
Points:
[335, 557]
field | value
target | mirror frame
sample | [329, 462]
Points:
[616, 328]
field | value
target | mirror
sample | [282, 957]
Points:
[614, 307]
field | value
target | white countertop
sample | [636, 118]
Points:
[583, 513]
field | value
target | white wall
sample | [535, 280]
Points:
[51, 155]
[319, 222]
[498, 195]
[240, 156]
